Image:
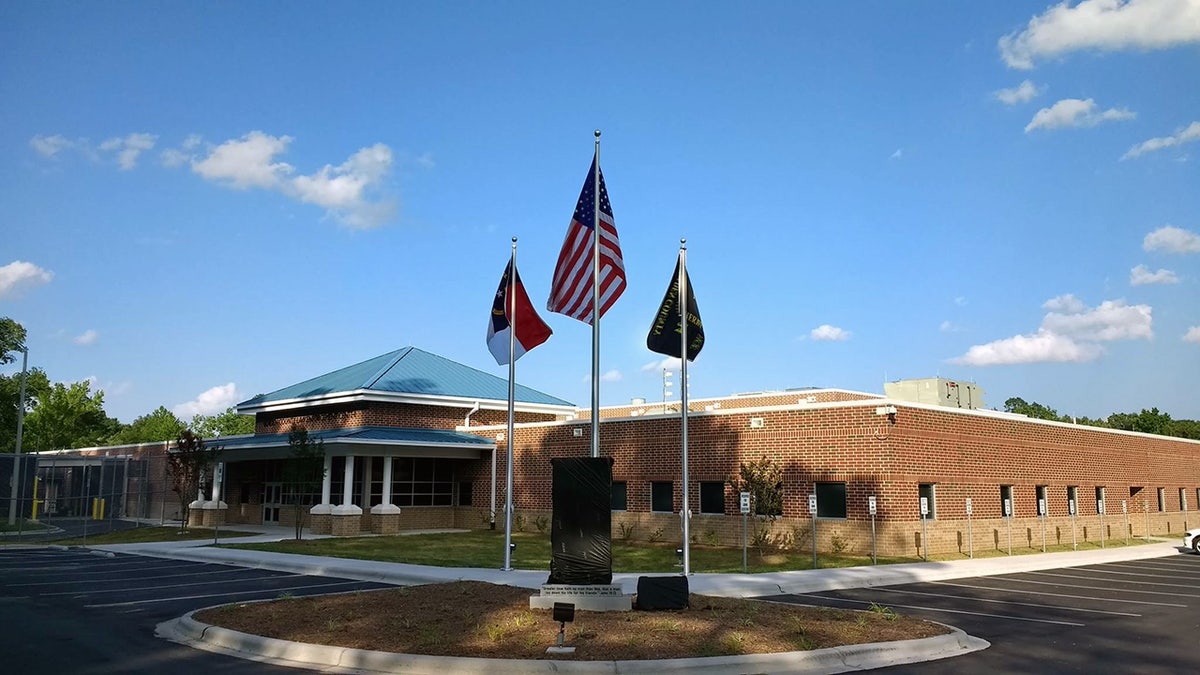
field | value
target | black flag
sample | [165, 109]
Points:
[664, 336]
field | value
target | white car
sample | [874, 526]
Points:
[1191, 539]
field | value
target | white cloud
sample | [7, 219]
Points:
[343, 190]
[669, 363]
[246, 162]
[185, 153]
[1069, 333]
[1038, 348]
[950, 327]
[899, 153]
[611, 376]
[86, 338]
[1064, 303]
[1141, 276]
[1073, 112]
[209, 402]
[50, 146]
[1187, 135]
[1021, 93]
[827, 333]
[960, 301]
[425, 160]
[1172, 240]
[128, 149]
[1192, 335]
[19, 275]
[1104, 25]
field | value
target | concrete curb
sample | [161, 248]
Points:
[186, 630]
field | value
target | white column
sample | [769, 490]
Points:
[386, 506]
[326, 488]
[347, 507]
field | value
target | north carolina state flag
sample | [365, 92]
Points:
[530, 330]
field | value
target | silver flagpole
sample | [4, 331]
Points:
[511, 298]
[685, 512]
[596, 303]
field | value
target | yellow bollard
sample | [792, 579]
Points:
[33, 513]
[95, 507]
[103, 503]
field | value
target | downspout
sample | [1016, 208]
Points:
[472, 411]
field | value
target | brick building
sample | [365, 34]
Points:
[414, 440]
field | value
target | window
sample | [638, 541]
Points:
[1042, 505]
[831, 500]
[926, 493]
[662, 496]
[1162, 499]
[618, 495]
[1072, 499]
[712, 497]
[465, 488]
[1100, 499]
[1006, 502]
[1183, 500]
[422, 481]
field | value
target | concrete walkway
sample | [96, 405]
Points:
[844, 659]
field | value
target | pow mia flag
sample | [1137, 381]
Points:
[665, 335]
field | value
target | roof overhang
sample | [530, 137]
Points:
[368, 395]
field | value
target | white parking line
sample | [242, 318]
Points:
[222, 595]
[1159, 575]
[1007, 602]
[113, 581]
[1164, 566]
[1123, 581]
[126, 570]
[88, 593]
[950, 611]
[1063, 595]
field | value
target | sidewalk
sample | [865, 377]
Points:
[187, 631]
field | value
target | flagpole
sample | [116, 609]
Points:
[685, 512]
[596, 302]
[511, 296]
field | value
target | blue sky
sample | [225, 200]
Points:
[205, 201]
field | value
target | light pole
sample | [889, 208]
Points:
[14, 485]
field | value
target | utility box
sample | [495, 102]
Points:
[936, 391]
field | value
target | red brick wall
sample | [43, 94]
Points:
[404, 415]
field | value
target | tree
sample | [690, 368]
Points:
[187, 463]
[228, 423]
[1035, 410]
[1147, 422]
[159, 425]
[303, 471]
[1186, 429]
[37, 387]
[12, 340]
[69, 416]
[763, 479]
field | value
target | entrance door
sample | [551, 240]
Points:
[271, 502]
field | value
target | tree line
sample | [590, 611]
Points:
[1147, 421]
[61, 415]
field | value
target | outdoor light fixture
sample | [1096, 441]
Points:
[512, 546]
[563, 612]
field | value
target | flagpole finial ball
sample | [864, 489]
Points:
[597, 132]
[514, 240]
[682, 240]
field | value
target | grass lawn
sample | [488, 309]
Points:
[140, 535]
[27, 526]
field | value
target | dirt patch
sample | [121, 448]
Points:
[478, 619]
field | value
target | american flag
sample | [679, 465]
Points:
[571, 291]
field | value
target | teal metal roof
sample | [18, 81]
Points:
[410, 371]
[396, 435]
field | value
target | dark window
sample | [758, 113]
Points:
[831, 500]
[618, 495]
[712, 497]
[926, 492]
[1162, 499]
[464, 492]
[422, 481]
[662, 496]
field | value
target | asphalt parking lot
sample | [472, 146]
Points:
[1138, 616]
[73, 611]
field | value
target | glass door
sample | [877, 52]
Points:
[271, 502]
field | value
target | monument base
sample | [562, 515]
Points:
[592, 598]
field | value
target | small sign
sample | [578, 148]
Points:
[1124, 507]
[968, 506]
[812, 504]
[871, 505]
[1071, 506]
[1007, 508]
[745, 503]
[1041, 507]
[1100, 506]
[924, 506]
[220, 472]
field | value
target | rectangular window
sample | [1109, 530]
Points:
[465, 489]
[926, 493]
[1042, 504]
[662, 496]
[831, 500]
[1162, 499]
[1100, 508]
[618, 495]
[1006, 502]
[422, 481]
[712, 497]
[1072, 499]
